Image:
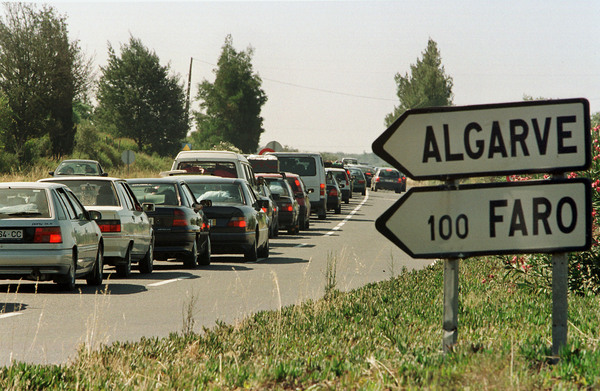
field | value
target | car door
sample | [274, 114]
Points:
[138, 224]
[84, 235]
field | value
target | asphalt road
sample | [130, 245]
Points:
[39, 324]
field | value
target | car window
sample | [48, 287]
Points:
[224, 169]
[305, 166]
[156, 193]
[91, 192]
[24, 203]
[278, 186]
[219, 193]
[129, 203]
[71, 215]
[78, 168]
[79, 209]
[188, 194]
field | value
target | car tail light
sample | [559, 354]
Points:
[237, 222]
[287, 207]
[47, 235]
[297, 184]
[322, 189]
[361, 181]
[264, 209]
[179, 219]
[333, 193]
[401, 179]
[110, 225]
[377, 179]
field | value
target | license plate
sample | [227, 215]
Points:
[11, 234]
[212, 222]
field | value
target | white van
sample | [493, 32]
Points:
[218, 163]
[311, 169]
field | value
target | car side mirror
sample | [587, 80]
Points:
[206, 203]
[148, 207]
[104, 174]
[309, 191]
[51, 173]
[94, 215]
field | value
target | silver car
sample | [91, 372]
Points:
[46, 234]
[127, 231]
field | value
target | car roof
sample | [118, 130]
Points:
[198, 154]
[334, 169]
[168, 179]
[31, 185]
[211, 179]
[81, 178]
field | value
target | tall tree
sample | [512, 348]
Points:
[231, 106]
[427, 84]
[41, 73]
[140, 100]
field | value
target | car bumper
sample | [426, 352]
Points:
[30, 264]
[172, 245]
[231, 242]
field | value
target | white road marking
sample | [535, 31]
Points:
[168, 281]
[348, 217]
[2, 316]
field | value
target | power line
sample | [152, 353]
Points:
[312, 88]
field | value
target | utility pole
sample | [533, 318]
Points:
[187, 101]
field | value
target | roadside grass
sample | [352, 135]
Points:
[382, 336]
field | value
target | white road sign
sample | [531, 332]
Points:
[494, 139]
[499, 218]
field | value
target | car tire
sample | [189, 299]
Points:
[374, 188]
[251, 254]
[67, 282]
[124, 267]
[146, 264]
[264, 250]
[307, 222]
[96, 275]
[204, 258]
[322, 214]
[338, 210]
[364, 192]
[190, 260]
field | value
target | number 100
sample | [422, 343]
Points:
[446, 227]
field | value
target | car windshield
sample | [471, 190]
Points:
[24, 203]
[92, 193]
[278, 186]
[304, 166]
[223, 169]
[156, 193]
[340, 176]
[219, 193]
[77, 168]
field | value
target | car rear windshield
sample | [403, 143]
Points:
[389, 174]
[77, 168]
[224, 169]
[23, 203]
[219, 193]
[156, 193]
[303, 166]
[93, 193]
[278, 186]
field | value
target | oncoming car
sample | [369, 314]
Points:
[46, 234]
[78, 167]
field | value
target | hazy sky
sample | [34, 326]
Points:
[328, 67]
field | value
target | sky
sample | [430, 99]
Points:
[328, 67]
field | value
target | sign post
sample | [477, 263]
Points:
[456, 221]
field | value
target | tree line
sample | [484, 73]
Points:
[47, 86]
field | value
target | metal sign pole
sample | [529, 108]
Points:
[450, 323]
[560, 287]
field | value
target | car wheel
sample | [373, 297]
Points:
[364, 192]
[124, 267]
[204, 259]
[67, 282]
[146, 264]
[322, 214]
[276, 231]
[96, 275]
[307, 223]
[347, 201]
[374, 188]
[264, 250]
[251, 255]
[338, 210]
[191, 260]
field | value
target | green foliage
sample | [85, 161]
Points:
[382, 336]
[427, 84]
[231, 106]
[41, 73]
[140, 100]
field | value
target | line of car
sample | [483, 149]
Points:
[72, 224]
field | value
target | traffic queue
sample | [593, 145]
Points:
[70, 225]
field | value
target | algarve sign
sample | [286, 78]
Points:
[492, 139]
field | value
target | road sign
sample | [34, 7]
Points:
[128, 157]
[494, 139]
[498, 218]
[265, 150]
[186, 146]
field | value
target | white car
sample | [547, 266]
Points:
[127, 230]
[46, 234]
